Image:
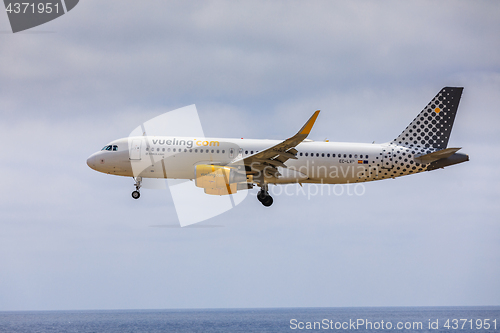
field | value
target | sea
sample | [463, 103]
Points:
[369, 319]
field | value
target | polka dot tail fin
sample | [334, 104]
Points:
[432, 127]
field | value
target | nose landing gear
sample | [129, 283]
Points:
[264, 197]
[138, 182]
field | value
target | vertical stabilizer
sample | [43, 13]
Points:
[432, 127]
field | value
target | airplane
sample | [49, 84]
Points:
[222, 166]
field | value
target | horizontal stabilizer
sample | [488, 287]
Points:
[437, 155]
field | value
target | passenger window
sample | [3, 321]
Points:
[168, 149]
[350, 155]
[251, 152]
[345, 155]
[333, 155]
[360, 156]
[246, 152]
[300, 154]
[212, 151]
[196, 150]
[163, 149]
[147, 149]
[173, 150]
[306, 154]
[157, 149]
[327, 155]
[223, 151]
[317, 154]
[356, 156]
[322, 154]
[217, 151]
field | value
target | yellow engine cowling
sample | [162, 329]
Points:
[218, 180]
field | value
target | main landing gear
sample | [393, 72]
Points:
[264, 197]
[138, 182]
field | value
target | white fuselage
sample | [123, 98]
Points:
[317, 162]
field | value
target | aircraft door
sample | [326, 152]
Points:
[135, 149]
[388, 158]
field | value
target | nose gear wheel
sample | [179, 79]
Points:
[138, 182]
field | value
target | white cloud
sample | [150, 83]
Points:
[262, 68]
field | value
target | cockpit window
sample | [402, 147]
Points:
[110, 147]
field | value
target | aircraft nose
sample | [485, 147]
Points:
[91, 161]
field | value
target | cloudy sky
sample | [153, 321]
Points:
[72, 238]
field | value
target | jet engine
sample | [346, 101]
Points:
[218, 180]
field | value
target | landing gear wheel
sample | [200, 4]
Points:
[264, 197]
[268, 201]
[138, 183]
[261, 196]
